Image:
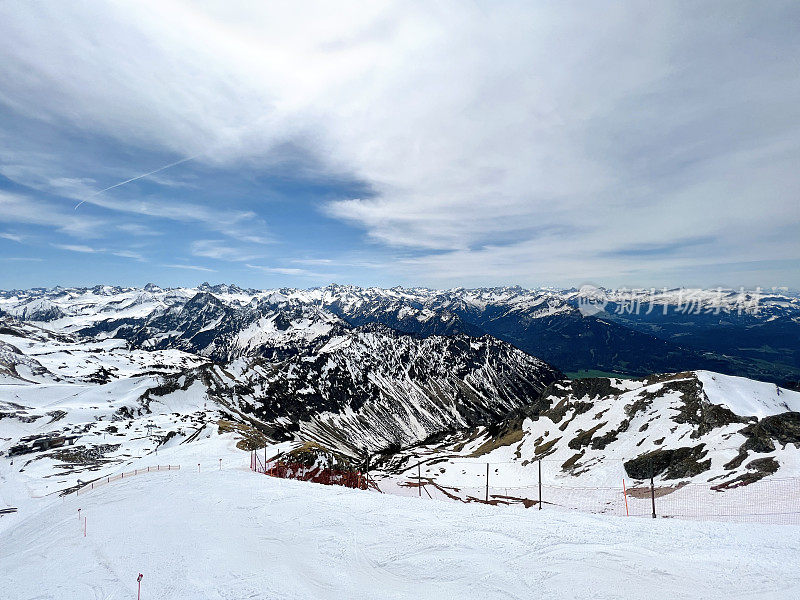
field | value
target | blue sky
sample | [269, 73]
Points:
[412, 144]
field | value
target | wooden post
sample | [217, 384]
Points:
[487, 483]
[419, 479]
[540, 484]
[652, 489]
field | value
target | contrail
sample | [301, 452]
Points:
[116, 185]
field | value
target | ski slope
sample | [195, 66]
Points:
[234, 534]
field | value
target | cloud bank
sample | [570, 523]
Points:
[534, 143]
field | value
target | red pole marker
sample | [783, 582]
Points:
[139, 581]
[625, 493]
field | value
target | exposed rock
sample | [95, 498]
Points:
[670, 463]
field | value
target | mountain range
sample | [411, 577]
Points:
[672, 330]
[91, 378]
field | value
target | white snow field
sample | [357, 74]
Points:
[235, 534]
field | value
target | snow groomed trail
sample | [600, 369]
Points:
[234, 534]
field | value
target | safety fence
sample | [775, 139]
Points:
[768, 500]
[313, 473]
[106, 480]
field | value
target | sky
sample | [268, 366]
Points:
[435, 143]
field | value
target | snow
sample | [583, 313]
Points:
[232, 533]
[748, 397]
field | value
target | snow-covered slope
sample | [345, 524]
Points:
[700, 427]
[231, 533]
[75, 408]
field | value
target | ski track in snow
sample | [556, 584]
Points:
[234, 534]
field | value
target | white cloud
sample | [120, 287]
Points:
[129, 254]
[137, 229]
[220, 250]
[525, 140]
[84, 249]
[21, 259]
[190, 268]
[43, 172]
[17, 208]
[78, 248]
[295, 272]
[14, 237]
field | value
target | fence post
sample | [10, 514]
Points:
[487, 482]
[419, 480]
[652, 489]
[540, 484]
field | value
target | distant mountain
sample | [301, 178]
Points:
[628, 333]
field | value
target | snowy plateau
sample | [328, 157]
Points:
[130, 419]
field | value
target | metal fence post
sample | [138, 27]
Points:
[652, 489]
[487, 482]
[540, 484]
[419, 479]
